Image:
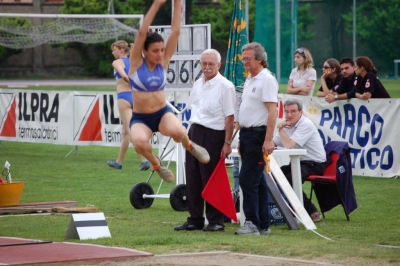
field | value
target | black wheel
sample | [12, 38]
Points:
[136, 195]
[178, 198]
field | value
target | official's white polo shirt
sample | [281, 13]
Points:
[211, 102]
[257, 91]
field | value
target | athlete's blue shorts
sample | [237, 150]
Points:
[150, 120]
[127, 96]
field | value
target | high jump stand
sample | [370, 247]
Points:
[142, 195]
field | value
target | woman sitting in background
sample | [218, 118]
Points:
[367, 84]
[303, 77]
[330, 78]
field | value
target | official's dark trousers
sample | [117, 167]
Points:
[198, 174]
[251, 178]
[307, 168]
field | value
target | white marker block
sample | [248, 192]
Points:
[87, 226]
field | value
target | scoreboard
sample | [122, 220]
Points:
[184, 68]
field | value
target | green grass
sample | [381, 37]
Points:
[87, 179]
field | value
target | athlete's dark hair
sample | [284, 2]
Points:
[152, 37]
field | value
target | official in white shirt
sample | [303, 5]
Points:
[212, 102]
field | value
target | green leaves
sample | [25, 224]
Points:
[378, 27]
[219, 18]
[9, 23]
[305, 20]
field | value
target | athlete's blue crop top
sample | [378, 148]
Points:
[145, 80]
[126, 68]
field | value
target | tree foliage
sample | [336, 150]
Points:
[13, 22]
[305, 20]
[220, 19]
[97, 58]
[378, 27]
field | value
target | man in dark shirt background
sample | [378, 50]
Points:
[345, 89]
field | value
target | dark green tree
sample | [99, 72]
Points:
[97, 58]
[164, 14]
[11, 22]
[219, 16]
[305, 20]
[378, 27]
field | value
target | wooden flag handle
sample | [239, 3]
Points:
[234, 134]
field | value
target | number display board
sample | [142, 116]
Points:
[184, 68]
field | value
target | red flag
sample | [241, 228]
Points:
[218, 191]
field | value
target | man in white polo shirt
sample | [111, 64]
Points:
[299, 132]
[257, 118]
[212, 102]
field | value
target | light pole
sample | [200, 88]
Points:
[278, 39]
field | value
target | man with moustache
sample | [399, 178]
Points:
[212, 102]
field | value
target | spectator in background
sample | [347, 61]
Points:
[345, 89]
[330, 78]
[367, 84]
[299, 132]
[302, 78]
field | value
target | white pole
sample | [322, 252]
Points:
[354, 29]
[278, 39]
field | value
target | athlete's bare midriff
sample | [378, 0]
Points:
[122, 86]
[148, 102]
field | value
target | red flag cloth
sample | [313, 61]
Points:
[218, 191]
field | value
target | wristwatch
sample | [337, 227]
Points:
[335, 97]
[228, 142]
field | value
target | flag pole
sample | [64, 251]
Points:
[234, 134]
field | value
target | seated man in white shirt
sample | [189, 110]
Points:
[299, 132]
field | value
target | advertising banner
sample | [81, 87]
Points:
[370, 127]
[92, 118]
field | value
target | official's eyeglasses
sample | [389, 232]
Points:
[204, 64]
[326, 67]
[299, 50]
[247, 59]
[291, 112]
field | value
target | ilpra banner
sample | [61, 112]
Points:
[370, 127]
[35, 116]
[70, 118]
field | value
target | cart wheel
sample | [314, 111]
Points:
[136, 195]
[178, 198]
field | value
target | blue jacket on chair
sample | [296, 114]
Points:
[327, 195]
